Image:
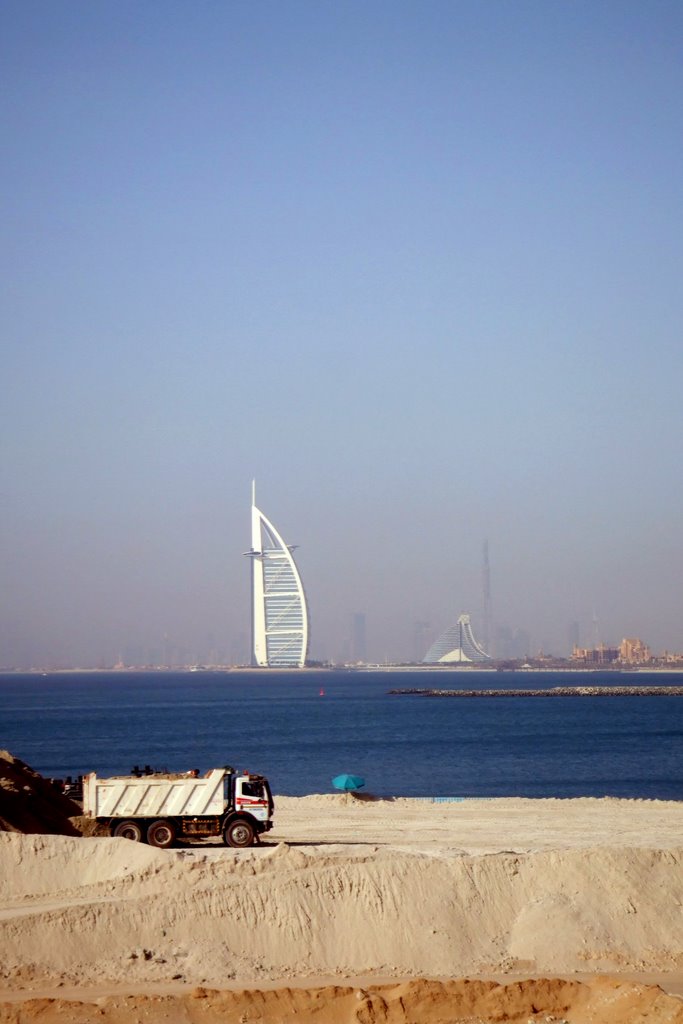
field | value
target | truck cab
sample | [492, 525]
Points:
[253, 806]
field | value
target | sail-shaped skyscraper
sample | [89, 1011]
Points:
[279, 616]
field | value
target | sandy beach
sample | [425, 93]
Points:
[357, 898]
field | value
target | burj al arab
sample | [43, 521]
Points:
[279, 616]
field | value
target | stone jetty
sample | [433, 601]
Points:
[554, 691]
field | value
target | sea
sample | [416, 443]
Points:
[302, 729]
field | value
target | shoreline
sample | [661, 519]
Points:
[345, 669]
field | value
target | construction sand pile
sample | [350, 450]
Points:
[30, 803]
[373, 891]
[551, 1001]
[94, 910]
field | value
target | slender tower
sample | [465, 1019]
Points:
[486, 604]
[596, 630]
[279, 616]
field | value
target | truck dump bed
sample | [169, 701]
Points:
[154, 796]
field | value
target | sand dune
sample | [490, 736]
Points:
[416, 890]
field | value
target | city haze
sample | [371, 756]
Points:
[413, 267]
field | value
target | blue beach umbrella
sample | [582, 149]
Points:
[348, 782]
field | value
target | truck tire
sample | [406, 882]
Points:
[161, 834]
[239, 833]
[128, 830]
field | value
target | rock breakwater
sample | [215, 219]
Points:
[554, 691]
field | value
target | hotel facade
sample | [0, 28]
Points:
[279, 614]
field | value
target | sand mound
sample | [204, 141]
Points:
[31, 804]
[381, 891]
[603, 1001]
[140, 915]
[37, 865]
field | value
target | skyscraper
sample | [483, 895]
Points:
[359, 652]
[573, 636]
[486, 595]
[279, 616]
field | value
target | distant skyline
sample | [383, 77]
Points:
[415, 267]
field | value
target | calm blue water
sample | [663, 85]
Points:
[404, 746]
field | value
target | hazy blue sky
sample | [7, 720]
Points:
[415, 266]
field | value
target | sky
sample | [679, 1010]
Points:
[414, 267]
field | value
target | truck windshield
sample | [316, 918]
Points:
[253, 789]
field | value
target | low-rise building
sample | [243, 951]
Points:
[601, 655]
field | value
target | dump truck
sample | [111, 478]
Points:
[161, 807]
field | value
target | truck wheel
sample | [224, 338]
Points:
[128, 830]
[161, 834]
[239, 833]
